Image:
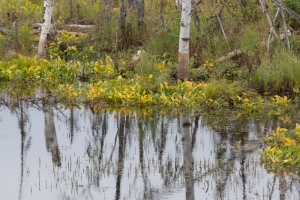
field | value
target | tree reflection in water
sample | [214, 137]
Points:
[50, 136]
[119, 155]
[188, 160]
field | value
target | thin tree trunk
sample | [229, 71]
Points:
[221, 26]
[116, 61]
[162, 13]
[264, 7]
[184, 37]
[122, 15]
[48, 6]
[58, 9]
[107, 5]
[285, 30]
[288, 10]
[71, 9]
[270, 33]
[196, 17]
[17, 24]
[141, 10]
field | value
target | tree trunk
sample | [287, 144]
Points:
[162, 13]
[184, 37]
[140, 12]
[288, 10]
[108, 8]
[71, 9]
[122, 15]
[48, 6]
[264, 7]
[285, 30]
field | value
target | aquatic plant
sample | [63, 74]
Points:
[283, 150]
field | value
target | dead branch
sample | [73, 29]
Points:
[285, 30]
[221, 26]
[265, 10]
[270, 33]
[288, 10]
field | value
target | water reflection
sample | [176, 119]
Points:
[121, 152]
[22, 116]
[50, 136]
[188, 161]
[117, 155]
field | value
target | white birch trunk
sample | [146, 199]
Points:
[48, 6]
[184, 37]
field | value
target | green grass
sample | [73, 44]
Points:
[278, 74]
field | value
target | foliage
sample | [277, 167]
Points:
[295, 6]
[84, 72]
[283, 151]
[280, 105]
[280, 73]
[105, 86]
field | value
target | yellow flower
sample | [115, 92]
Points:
[31, 67]
[116, 10]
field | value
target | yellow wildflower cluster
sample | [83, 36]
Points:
[283, 152]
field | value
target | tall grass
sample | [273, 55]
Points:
[280, 73]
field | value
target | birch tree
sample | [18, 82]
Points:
[48, 6]
[184, 37]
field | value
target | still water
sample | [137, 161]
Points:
[76, 154]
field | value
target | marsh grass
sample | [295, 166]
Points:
[280, 73]
[26, 39]
[150, 74]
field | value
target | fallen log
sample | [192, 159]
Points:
[3, 31]
[230, 55]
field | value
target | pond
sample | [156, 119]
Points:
[51, 153]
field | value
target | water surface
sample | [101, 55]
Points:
[77, 154]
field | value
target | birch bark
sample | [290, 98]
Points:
[48, 6]
[184, 37]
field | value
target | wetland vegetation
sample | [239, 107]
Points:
[117, 122]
